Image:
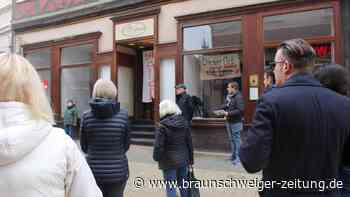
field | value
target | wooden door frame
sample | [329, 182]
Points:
[131, 16]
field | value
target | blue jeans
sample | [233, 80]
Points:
[345, 177]
[234, 133]
[69, 130]
[179, 175]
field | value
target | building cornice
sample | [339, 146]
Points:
[78, 13]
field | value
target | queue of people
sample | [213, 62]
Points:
[300, 130]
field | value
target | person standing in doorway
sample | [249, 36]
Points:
[299, 129]
[70, 118]
[234, 108]
[269, 80]
[184, 101]
[105, 139]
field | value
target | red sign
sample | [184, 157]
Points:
[322, 50]
[45, 84]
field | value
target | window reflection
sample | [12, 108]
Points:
[313, 23]
[217, 35]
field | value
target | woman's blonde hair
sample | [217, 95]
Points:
[104, 89]
[20, 82]
[168, 107]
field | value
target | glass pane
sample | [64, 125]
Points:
[45, 76]
[104, 72]
[76, 55]
[207, 77]
[212, 36]
[299, 25]
[167, 77]
[75, 84]
[40, 59]
[126, 88]
[324, 54]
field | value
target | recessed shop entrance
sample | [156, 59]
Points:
[136, 78]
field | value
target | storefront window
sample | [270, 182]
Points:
[76, 55]
[307, 24]
[207, 73]
[41, 60]
[207, 77]
[104, 72]
[167, 78]
[217, 35]
[75, 85]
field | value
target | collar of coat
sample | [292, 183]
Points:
[301, 79]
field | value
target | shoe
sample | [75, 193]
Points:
[236, 162]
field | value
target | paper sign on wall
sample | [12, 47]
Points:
[225, 66]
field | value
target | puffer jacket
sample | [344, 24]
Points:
[37, 159]
[173, 146]
[71, 116]
[105, 139]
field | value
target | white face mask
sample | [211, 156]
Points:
[69, 104]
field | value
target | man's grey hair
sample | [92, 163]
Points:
[298, 52]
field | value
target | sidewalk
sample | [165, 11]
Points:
[208, 166]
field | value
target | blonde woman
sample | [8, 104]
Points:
[105, 138]
[173, 146]
[36, 159]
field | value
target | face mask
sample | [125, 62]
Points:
[69, 104]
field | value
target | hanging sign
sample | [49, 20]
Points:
[148, 77]
[225, 66]
[137, 29]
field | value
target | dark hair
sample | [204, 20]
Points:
[234, 85]
[269, 73]
[334, 77]
[298, 52]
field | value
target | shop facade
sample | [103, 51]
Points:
[148, 48]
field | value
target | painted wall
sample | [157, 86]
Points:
[5, 25]
[104, 25]
[167, 22]
[30, 8]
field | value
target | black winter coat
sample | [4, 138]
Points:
[298, 132]
[184, 101]
[234, 106]
[173, 145]
[105, 139]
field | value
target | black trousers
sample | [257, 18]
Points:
[112, 189]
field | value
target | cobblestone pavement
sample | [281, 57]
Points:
[207, 167]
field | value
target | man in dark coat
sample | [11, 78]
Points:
[298, 131]
[234, 108]
[184, 101]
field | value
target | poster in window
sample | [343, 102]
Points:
[225, 66]
[148, 77]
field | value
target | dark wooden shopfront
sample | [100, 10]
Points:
[253, 35]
